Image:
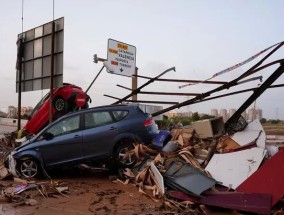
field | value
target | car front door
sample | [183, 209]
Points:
[65, 144]
[99, 134]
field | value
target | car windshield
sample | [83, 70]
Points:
[39, 104]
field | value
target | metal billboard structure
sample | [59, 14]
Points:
[37, 45]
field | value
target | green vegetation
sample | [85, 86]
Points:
[166, 123]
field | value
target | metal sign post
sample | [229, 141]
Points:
[51, 73]
[19, 70]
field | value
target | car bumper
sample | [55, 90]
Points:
[11, 164]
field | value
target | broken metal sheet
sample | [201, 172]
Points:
[23, 187]
[182, 176]
[269, 178]
[158, 178]
[253, 131]
[233, 168]
[259, 203]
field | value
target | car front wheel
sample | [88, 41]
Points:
[29, 168]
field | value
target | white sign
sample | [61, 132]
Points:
[121, 58]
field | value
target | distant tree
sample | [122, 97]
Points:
[206, 116]
[195, 117]
[2, 114]
[263, 120]
[185, 121]
[274, 121]
[25, 116]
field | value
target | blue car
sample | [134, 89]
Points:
[95, 134]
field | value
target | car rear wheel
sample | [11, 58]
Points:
[124, 154]
[29, 168]
[60, 104]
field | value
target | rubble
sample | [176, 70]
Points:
[189, 172]
[22, 192]
[192, 169]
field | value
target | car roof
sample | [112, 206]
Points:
[104, 107]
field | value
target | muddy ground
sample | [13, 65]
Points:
[89, 193]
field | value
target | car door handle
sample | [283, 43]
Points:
[76, 136]
[112, 128]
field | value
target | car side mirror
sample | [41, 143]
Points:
[48, 136]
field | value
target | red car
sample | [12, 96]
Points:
[67, 98]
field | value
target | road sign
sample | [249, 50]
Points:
[80, 99]
[121, 58]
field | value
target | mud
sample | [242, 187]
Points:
[89, 194]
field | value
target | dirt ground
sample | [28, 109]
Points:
[89, 193]
[274, 129]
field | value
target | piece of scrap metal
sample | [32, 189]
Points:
[234, 168]
[259, 203]
[186, 178]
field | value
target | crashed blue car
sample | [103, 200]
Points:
[103, 133]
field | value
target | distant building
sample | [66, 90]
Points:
[26, 111]
[171, 114]
[214, 112]
[187, 114]
[249, 115]
[12, 112]
[258, 114]
[223, 113]
[244, 114]
[231, 112]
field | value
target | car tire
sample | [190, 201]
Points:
[29, 168]
[60, 104]
[122, 156]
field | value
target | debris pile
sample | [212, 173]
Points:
[188, 169]
[24, 192]
[193, 169]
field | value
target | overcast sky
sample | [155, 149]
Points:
[199, 38]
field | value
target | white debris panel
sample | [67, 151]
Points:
[233, 168]
[253, 131]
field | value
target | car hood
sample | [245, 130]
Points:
[24, 144]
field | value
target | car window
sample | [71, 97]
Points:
[39, 104]
[95, 119]
[65, 126]
[119, 114]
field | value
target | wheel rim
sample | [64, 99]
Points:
[59, 104]
[126, 156]
[29, 169]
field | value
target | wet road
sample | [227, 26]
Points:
[6, 128]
